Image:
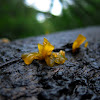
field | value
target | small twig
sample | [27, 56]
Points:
[9, 62]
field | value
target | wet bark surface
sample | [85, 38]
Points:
[77, 79]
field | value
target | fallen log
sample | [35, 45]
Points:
[78, 78]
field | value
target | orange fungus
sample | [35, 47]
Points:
[45, 53]
[80, 39]
[86, 44]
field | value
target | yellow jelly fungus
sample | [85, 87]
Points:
[86, 44]
[4, 40]
[80, 39]
[45, 53]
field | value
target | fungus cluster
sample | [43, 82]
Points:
[45, 53]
